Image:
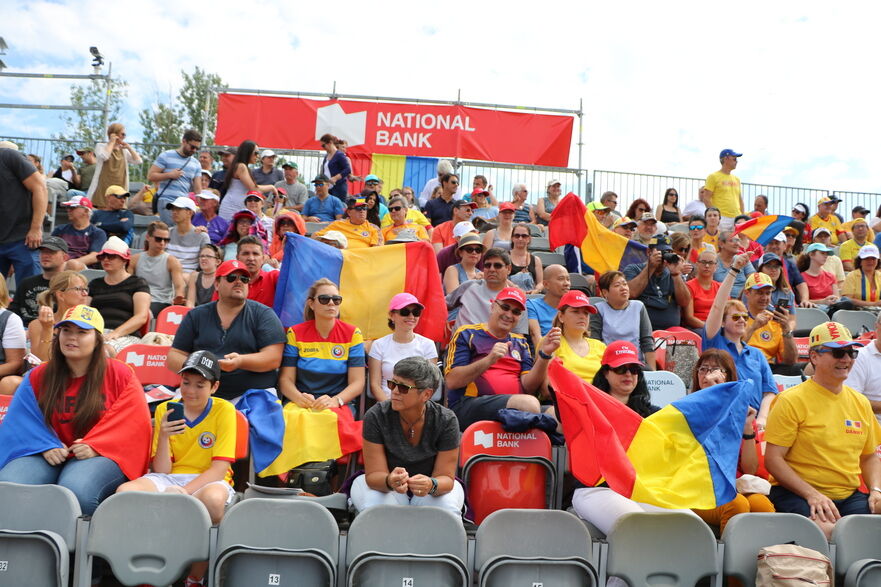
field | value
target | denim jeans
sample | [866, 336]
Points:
[91, 480]
[25, 261]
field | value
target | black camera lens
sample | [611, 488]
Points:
[670, 257]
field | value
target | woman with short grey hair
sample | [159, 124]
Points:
[411, 445]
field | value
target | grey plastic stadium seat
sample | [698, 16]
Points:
[551, 258]
[745, 534]
[856, 320]
[558, 550]
[535, 230]
[807, 318]
[864, 573]
[38, 530]
[540, 243]
[149, 538]
[661, 548]
[857, 541]
[312, 227]
[401, 545]
[276, 542]
[90, 274]
[578, 281]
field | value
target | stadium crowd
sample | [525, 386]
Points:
[216, 248]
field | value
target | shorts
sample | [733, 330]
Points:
[164, 480]
[474, 409]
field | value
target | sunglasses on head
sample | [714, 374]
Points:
[509, 308]
[621, 370]
[401, 388]
[494, 265]
[233, 277]
[417, 312]
[696, 227]
[325, 299]
[840, 353]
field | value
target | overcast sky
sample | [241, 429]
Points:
[666, 85]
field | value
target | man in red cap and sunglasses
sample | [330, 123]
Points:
[246, 335]
[490, 367]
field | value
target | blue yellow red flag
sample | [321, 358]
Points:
[764, 228]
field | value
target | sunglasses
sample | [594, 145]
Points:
[743, 317]
[417, 312]
[359, 208]
[509, 308]
[475, 250]
[395, 208]
[494, 265]
[372, 183]
[696, 227]
[233, 277]
[454, 182]
[632, 369]
[520, 236]
[707, 263]
[840, 353]
[80, 290]
[106, 256]
[325, 299]
[401, 388]
[120, 196]
[160, 239]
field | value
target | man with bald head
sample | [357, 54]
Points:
[542, 310]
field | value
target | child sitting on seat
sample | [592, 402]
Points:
[192, 455]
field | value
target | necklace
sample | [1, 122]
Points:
[411, 432]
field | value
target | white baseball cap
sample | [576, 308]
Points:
[462, 229]
[182, 202]
[267, 153]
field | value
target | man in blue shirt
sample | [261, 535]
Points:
[177, 172]
[440, 209]
[321, 207]
[659, 285]
[114, 219]
[542, 310]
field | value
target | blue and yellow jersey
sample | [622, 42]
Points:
[210, 437]
[471, 343]
[323, 363]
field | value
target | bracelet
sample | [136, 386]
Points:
[390, 488]
[787, 335]
[734, 270]
[749, 436]
[340, 400]
[878, 489]
[544, 355]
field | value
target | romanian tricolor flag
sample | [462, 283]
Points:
[683, 456]
[393, 170]
[367, 278]
[284, 438]
[603, 250]
[764, 228]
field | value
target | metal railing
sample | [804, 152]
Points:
[781, 199]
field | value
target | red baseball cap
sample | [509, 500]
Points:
[620, 353]
[507, 206]
[512, 294]
[231, 266]
[576, 299]
[479, 191]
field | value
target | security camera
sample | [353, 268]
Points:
[98, 60]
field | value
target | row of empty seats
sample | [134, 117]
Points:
[857, 321]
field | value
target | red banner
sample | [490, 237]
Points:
[396, 129]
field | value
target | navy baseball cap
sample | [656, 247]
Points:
[729, 152]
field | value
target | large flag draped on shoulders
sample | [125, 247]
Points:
[367, 278]
[24, 431]
[603, 250]
[284, 438]
[764, 228]
[683, 456]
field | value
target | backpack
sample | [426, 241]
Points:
[790, 565]
[4, 318]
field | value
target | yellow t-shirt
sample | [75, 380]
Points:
[212, 437]
[848, 227]
[849, 249]
[768, 339]
[587, 366]
[360, 236]
[726, 193]
[413, 215]
[389, 232]
[858, 288]
[712, 239]
[832, 223]
[833, 265]
[826, 434]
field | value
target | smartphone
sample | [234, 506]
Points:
[175, 411]
[781, 305]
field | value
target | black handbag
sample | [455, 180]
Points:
[314, 478]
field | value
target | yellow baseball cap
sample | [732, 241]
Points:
[832, 335]
[84, 317]
[758, 280]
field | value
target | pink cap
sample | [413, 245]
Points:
[620, 353]
[402, 300]
[513, 294]
[576, 299]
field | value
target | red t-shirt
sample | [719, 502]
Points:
[443, 233]
[261, 289]
[702, 298]
[819, 286]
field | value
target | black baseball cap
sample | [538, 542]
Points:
[204, 363]
[54, 243]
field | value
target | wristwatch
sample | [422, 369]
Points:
[340, 400]
[544, 355]
[748, 436]
[433, 489]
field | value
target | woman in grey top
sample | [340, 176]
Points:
[162, 272]
[411, 445]
[620, 318]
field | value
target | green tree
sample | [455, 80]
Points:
[162, 126]
[197, 102]
[87, 126]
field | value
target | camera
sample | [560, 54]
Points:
[670, 257]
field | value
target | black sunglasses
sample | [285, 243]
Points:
[840, 353]
[325, 299]
[160, 239]
[477, 250]
[233, 277]
[417, 312]
[509, 308]
[401, 388]
[632, 369]
[494, 265]
[395, 208]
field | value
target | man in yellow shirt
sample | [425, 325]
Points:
[769, 330]
[824, 218]
[821, 435]
[849, 248]
[858, 213]
[358, 232]
[725, 189]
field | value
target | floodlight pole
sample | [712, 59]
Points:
[107, 95]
